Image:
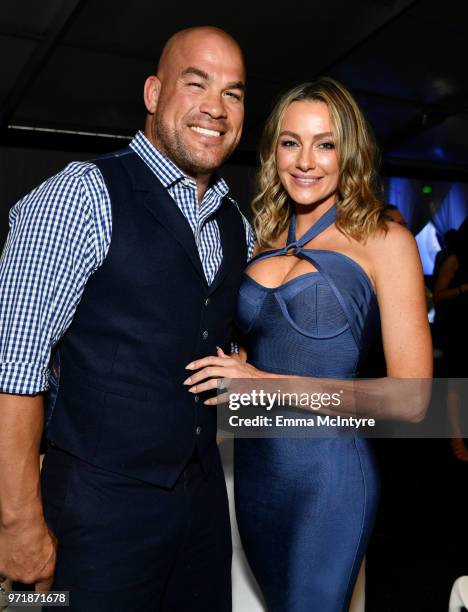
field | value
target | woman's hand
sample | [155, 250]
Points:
[211, 369]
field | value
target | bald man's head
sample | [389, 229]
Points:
[191, 36]
[195, 102]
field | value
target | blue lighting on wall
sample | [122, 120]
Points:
[428, 246]
[439, 153]
[428, 215]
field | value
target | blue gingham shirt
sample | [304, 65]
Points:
[59, 235]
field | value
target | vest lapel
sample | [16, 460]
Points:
[228, 221]
[163, 208]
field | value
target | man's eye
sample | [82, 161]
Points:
[231, 94]
[195, 84]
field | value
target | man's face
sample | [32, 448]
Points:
[199, 112]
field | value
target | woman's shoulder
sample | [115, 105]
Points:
[394, 252]
[393, 239]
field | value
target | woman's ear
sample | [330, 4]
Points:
[151, 93]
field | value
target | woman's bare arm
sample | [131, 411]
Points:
[405, 393]
[400, 291]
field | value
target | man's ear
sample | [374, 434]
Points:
[151, 93]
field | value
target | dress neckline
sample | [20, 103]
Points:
[320, 225]
[296, 247]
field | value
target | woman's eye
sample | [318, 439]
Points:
[288, 143]
[327, 145]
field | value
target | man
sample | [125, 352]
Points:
[125, 270]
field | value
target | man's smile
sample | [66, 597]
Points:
[206, 131]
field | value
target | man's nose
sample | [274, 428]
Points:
[213, 105]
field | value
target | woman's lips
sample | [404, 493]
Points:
[308, 181]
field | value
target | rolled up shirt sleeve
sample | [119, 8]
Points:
[59, 235]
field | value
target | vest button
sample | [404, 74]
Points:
[205, 335]
[196, 399]
[207, 301]
[198, 430]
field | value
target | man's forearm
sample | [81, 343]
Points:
[22, 420]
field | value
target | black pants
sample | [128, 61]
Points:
[128, 546]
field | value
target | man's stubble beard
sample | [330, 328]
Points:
[170, 143]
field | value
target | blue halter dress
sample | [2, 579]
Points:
[305, 507]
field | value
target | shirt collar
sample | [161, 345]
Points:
[166, 171]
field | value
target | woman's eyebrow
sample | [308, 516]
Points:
[316, 136]
[323, 135]
[289, 133]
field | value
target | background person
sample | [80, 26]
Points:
[451, 300]
[392, 213]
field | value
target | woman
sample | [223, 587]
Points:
[306, 506]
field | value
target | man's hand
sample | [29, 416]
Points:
[28, 554]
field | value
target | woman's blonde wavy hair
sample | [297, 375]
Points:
[359, 211]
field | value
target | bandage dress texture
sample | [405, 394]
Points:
[306, 506]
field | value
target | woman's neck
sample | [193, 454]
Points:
[307, 215]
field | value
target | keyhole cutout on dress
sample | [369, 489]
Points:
[272, 272]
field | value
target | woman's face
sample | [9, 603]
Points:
[306, 157]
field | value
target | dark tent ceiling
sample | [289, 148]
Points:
[79, 66]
